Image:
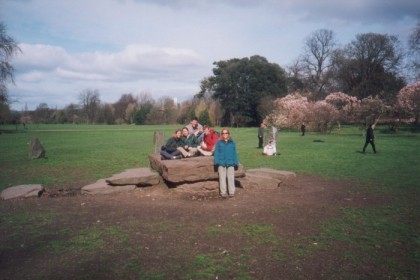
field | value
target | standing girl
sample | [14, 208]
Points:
[226, 159]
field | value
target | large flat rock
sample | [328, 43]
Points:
[199, 186]
[127, 180]
[22, 191]
[102, 187]
[266, 178]
[188, 170]
[137, 176]
[274, 173]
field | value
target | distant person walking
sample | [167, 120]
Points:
[370, 138]
[303, 129]
[260, 136]
[226, 159]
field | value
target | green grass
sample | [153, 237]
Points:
[217, 264]
[256, 233]
[338, 156]
[82, 154]
[76, 154]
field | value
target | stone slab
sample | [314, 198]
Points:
[280, 174]
[135, 176]
[199, 186]
[265, 178]
[102, 187]
[263, 182]
[22, 191]
[188, 170]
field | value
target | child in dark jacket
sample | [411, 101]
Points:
[170, 150]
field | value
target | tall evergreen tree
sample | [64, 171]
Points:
[240, 84]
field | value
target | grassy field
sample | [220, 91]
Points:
[81, 154]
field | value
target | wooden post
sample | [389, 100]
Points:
[158, 141]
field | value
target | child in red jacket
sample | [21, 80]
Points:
[209, 142]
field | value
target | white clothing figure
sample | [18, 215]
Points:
[270, 149]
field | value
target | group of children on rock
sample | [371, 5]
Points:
[190, 141]
[194, 140]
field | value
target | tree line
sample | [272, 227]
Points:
[137, 109]
[247, 91]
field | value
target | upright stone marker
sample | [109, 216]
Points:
[36, 150]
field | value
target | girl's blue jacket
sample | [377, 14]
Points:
[225, 153]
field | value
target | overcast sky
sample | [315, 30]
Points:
[165, 47]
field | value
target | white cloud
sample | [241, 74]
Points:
[135, 58]
[134, 69]
[78, 75]
[40, 56]
[31, 76]
[168, 46]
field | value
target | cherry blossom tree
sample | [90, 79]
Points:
[321, 116]
[408, 100]
[345, 105]
[289, 111]
[371, 109]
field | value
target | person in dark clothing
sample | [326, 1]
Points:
[303, 129]
[170, 150]
[370, 138]
[260, 136]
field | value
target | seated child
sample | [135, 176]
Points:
[191, 143]
[170, 149]
[270, 149]
[209, 142]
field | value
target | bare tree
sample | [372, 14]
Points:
[8, 48]
[42, 113]
[121, 107]
[369, 66]
[130, 111]
[90, 100]
[414, 51]
[145, 98]
[316, 61]
[72, 112]
[295, 77]
[164, 112]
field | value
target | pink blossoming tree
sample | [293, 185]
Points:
[345, 105]
[322, 116]
[371, 109]
[288, 112]
[408, 101]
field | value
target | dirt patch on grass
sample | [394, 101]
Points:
[161, 233]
